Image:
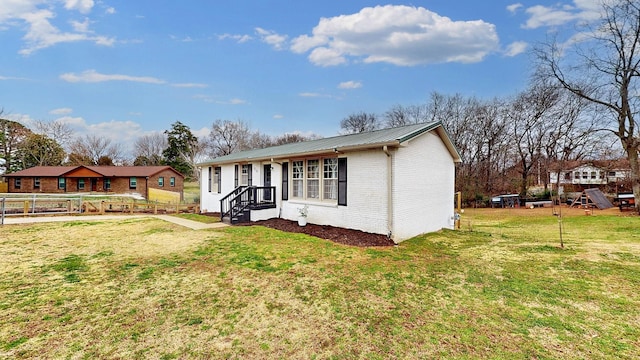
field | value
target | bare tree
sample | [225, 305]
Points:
[56, 130]
[227, 137]
[359, 123]
[603, 68]
[400, 115]
[89, 149]
[148, 149]
[288, 138]
[531, 114]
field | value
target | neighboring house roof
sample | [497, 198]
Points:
[43, 171]
[106, 171]
[366, 140]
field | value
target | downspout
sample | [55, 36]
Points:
[385, 149]
[146, 186]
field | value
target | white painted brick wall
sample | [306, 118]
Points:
[424, 186]
[366, 197]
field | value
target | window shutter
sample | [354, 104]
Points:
[342, 181]
[209, 178]
[249, 175]
[236, 180]
[285, 181]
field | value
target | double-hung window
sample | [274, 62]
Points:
[133, 182]
[217, 180]
[330, 179]
[315, 179]
[172, 181]
[17, 183]
[297, 182]
[161, 181]
[62, 183]
[36, 183]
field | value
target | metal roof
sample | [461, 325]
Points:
[389, 137]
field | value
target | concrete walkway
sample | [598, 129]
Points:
[194, 225]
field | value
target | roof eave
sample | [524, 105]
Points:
[336, 150]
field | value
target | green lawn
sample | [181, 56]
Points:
[499, 288]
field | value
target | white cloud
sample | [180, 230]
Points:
[559, 14]
[516, 48]
[350, 85]
[236, 101]
[117, 131]
[326, 57]
[278, 116]
[277, 41]
[110, 10]
[36, 18]
[190, 85]
[10, 78]
[61, 111]
[400, 35]
[81, 26]
[238, 38]
[83, 6]
[513, 8]
[91, 76]
[202, 133]
[215, 100]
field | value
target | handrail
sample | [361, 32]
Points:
[226, 201]
[244, 197]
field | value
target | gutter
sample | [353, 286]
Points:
[385, 149]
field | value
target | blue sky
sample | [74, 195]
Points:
[122, 68]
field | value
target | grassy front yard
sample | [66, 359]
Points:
[499, 288]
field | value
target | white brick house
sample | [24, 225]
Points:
[398, 182]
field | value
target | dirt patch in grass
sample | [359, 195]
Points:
[331, 233]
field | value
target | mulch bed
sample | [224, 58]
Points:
[332, 233]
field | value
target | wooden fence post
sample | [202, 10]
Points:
[26, 207]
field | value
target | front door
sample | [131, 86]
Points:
[267, 182]
[94, 184]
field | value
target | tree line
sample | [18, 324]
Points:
[54, 144]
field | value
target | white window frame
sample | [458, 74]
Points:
[330, 179]
[297, 179]
[244, 175]
[217, 173]
[309, 179]
[313, 179]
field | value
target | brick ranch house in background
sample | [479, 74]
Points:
[398, 182]
[96, 179]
